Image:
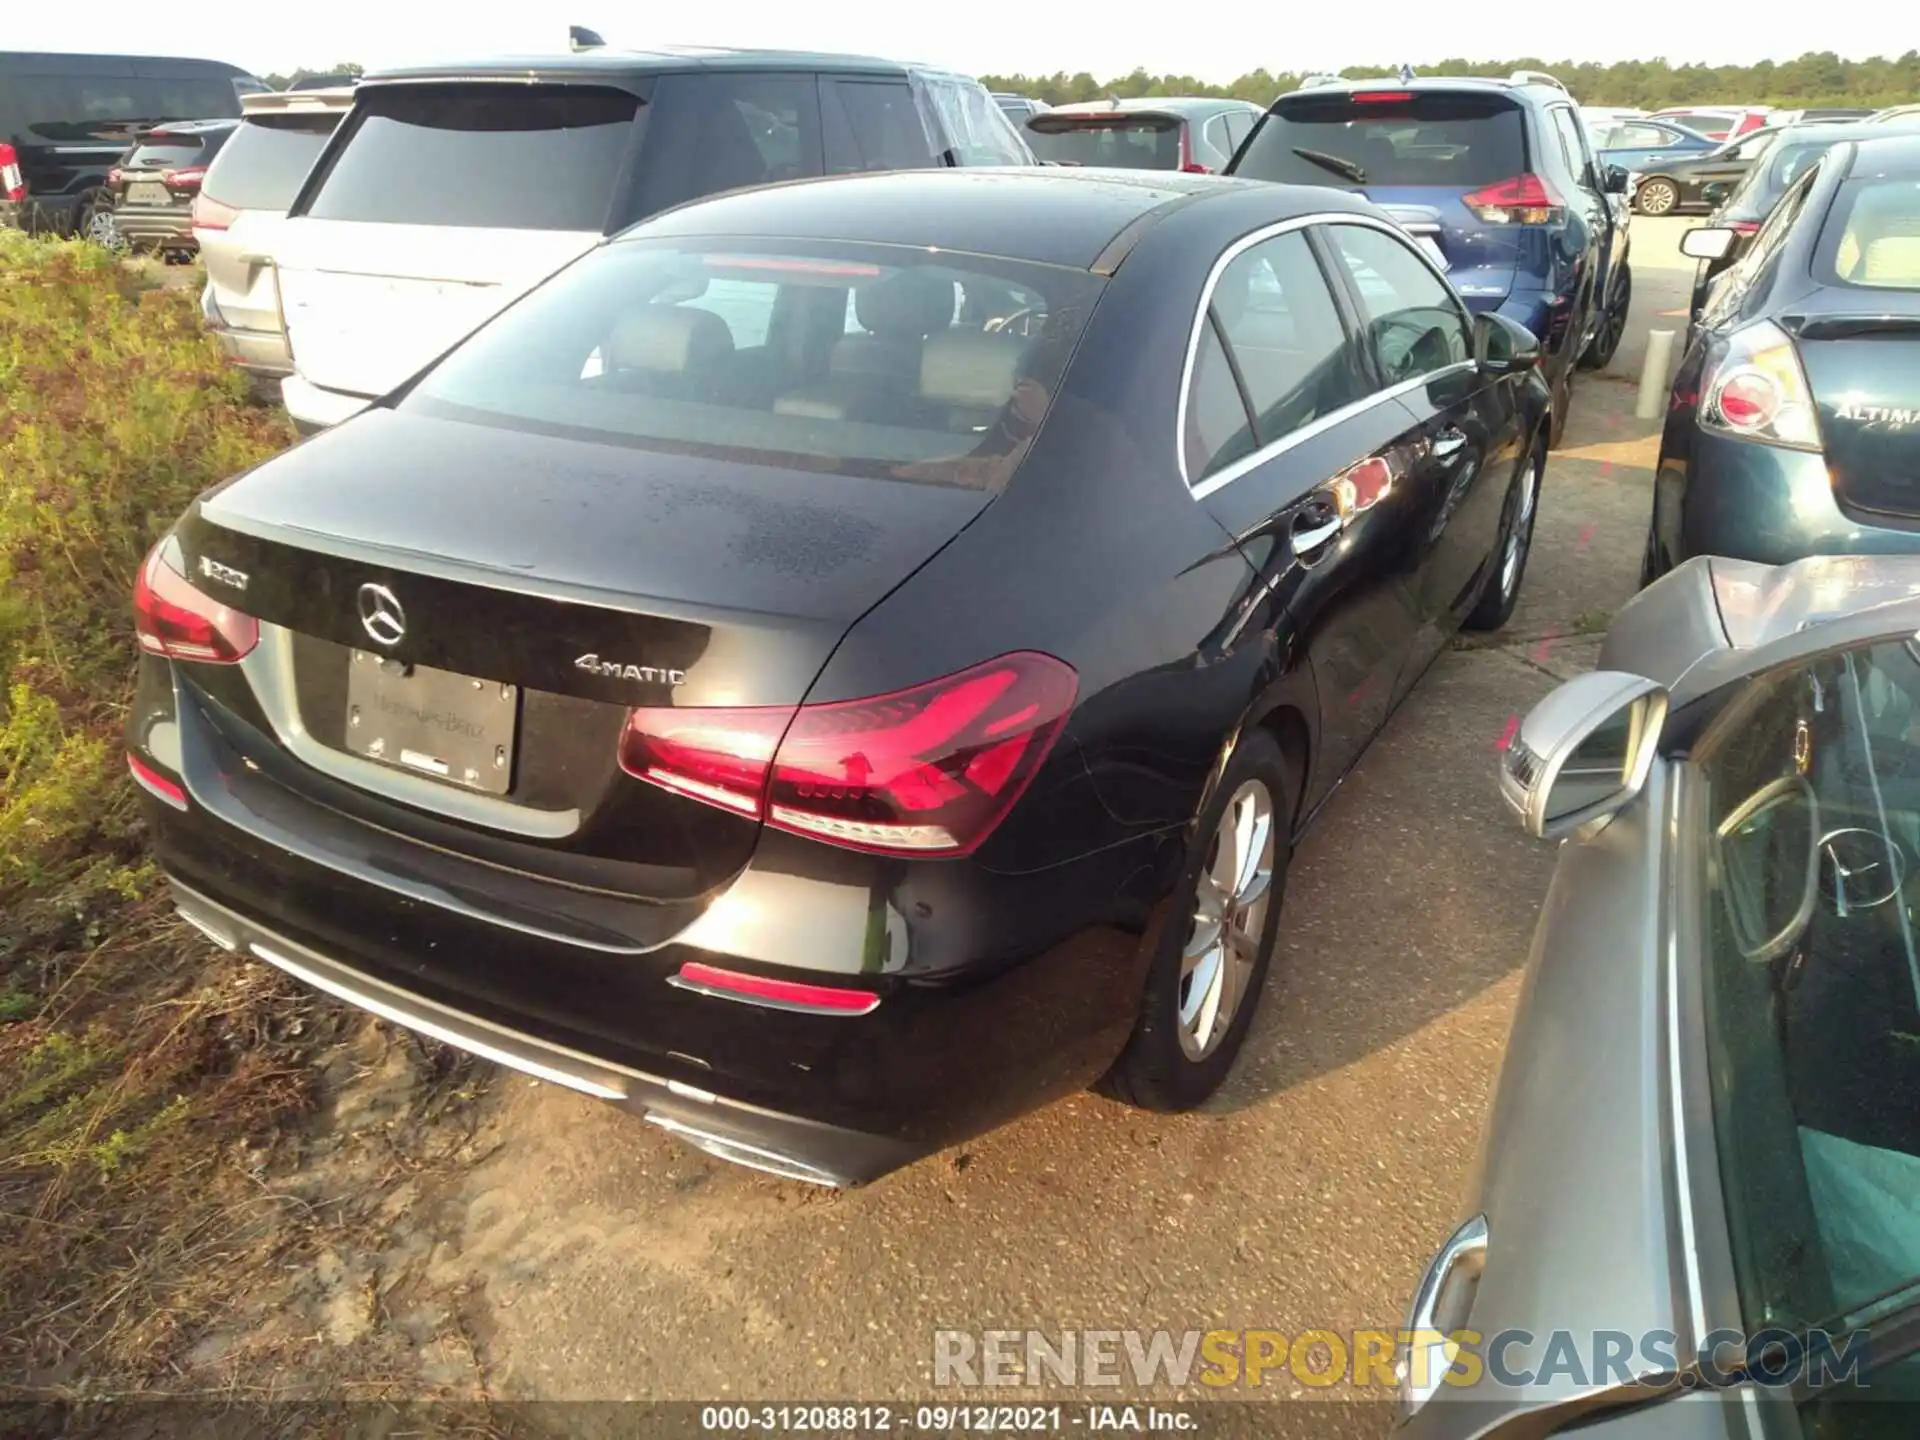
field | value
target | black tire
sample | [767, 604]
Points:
[1501, 593]
[1560, 405]
[1665, 196]
[1613, 324]
[1650, 567]
[1155, 1072]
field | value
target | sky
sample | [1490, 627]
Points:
[978, 37]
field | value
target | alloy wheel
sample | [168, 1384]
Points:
[1657, 197]
[1229, 919]
[1513, 558]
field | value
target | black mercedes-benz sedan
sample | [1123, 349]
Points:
[843, 663]
[1793, 428]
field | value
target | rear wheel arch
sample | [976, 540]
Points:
[1290, 731]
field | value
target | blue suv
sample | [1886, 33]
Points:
[1496, 181]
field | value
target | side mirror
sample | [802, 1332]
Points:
[1584, 753]
[1614, 178]
[1715, 191]
[1711, 242]
[1502, 346]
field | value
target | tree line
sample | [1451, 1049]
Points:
[1816, 78]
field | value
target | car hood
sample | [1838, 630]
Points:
[1681, 630]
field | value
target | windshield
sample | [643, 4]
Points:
[855, 359]
[1871, 239]
[1456, 140]
[1130, 142]
[1812, 989]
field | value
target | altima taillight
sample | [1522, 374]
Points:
[175, 620]
[1756, 390]
[1523, 200]
[929, 770]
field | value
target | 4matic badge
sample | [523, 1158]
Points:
[614, 670]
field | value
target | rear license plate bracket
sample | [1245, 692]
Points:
[454, 728]
[148, 193]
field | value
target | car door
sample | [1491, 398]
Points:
[1589, 199]
[1640, 144]
[1292, 445]
[1724, 166]
[1466, 439]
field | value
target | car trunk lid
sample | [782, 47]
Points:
[1864, 371]
[709, 584]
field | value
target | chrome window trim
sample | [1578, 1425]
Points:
[269, 673]
[1226, 475]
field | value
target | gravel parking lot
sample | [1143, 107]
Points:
[604, 1260]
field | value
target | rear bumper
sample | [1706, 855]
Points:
[314, 409]
[763, 1139]
[169, 227]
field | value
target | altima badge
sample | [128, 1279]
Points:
[381, 615]
[614, 670]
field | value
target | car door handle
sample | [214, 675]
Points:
[1449, 443]
[1313, 531]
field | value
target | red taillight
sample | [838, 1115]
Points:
[187, 177]
[1380, 97]
[13, 184]
[209, 214]
[1523, 200]
[156, 784]
[780, 994]
[116, 175]
[1744, 227]
[1189, 165]
[175, 620]
[926, 771]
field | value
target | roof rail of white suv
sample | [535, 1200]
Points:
[296, 102]
[1538, 77]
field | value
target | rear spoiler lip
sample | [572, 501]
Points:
[1844, 327]
[1053, 121]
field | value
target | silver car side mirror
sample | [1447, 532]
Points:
[1710, 242]
[1584, 753]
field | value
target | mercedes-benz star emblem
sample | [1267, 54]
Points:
[381, 615]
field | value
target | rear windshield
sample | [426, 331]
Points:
[1132, 142]
[1872, 235]
[497, 156]
[906, 364]
[1459, 141]
[160, 152]
[262, 165]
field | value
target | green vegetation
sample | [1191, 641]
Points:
[1813, 79]
[128, 1062]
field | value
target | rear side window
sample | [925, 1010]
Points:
[262, 166]
[1573, 144]
[745, 350]
[1872, 235]
[1455, 140]
[1414, 324]
[1239, 126]
[976, 129]
[1128, 142]
[882, 127]
[498, 156]
[724, 131]
[1219, 430]
[1284, 332]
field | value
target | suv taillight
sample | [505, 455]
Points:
[175, 620]
[209, 214]
[13, 185]
[1524, 200]
[930, 770]
[1188, 164]
[187, 177]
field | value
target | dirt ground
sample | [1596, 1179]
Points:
[481, 1236]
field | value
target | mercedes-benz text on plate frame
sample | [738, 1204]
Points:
[381, 614]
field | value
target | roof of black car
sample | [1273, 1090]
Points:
[1048, 215]
[606, 61]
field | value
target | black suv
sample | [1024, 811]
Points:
[65, 120]
[1496, 181]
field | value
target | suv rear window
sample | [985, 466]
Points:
[159, 152]
[265, 161]
[1408, 138]
[505, 157]
[845, 358]
[1872, 235]
[1132, 142]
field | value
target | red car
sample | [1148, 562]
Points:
[1716, 122]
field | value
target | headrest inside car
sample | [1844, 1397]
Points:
[969, 368]
[904, 306]
[668, 338]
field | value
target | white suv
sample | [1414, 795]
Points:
[446, 194]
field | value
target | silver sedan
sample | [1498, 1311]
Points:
[1697, 1207]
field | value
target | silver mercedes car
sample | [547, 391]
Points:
[1696, 1211]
